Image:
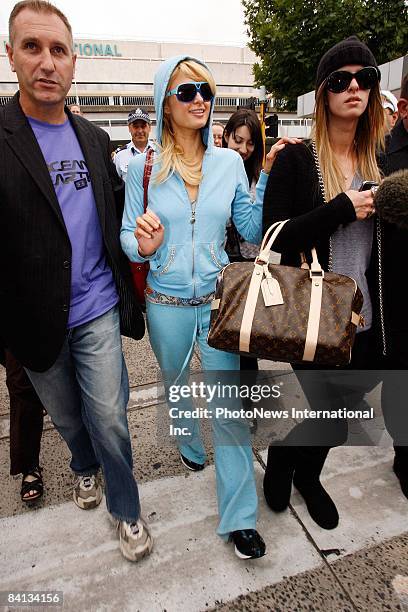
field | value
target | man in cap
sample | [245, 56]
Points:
[390, 106]
[139, 128]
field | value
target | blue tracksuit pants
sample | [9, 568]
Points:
[173, 331]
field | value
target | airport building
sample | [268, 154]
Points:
[114, 77]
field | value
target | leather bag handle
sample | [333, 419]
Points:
[267, 245]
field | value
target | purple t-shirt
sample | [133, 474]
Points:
[93, 290]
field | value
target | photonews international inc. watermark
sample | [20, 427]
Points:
[304, 407]
[217, 393]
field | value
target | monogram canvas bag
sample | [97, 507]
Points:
[283, 313]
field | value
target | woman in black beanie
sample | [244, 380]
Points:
[316, 187]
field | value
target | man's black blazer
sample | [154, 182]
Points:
[35, 250]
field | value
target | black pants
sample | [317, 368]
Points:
[249, 364]
[324, 390]
[26, 418]
[394, 402]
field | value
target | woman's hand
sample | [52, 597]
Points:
[363, 203]
[149, 233]
[278, 146]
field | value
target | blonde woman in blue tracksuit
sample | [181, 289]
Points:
[194, 189]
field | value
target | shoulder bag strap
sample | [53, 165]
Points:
[146, 176]
[323, 192]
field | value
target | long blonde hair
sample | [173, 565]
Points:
[171, 158]
[369, 139]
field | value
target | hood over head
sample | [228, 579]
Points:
[161, 82]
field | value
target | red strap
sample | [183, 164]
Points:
[146, 175]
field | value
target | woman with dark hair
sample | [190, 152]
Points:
[243, 134]
[316, 187]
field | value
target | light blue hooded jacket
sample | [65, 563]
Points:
[192, 254]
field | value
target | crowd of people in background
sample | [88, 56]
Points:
[211, 193]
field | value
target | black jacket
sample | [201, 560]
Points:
[397, 149]
[395, 256]
[35, 250]
[293, 192]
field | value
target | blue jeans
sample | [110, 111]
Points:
[173, 331]
[86, 393]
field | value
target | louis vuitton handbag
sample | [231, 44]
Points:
[283, 313]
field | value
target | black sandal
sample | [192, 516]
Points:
[35, 485]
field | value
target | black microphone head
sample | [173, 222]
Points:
[391, 199]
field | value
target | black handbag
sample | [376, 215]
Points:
[233, 242]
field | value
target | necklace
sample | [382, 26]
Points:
[347, 170]
[347, 165]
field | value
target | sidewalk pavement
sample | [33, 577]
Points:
[362, 565]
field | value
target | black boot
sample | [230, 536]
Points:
[400, 467]
[309, 464]
[277, 484]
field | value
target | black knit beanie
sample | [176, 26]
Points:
[348, 51]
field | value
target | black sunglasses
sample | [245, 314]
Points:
[186, 92]
[339, 81]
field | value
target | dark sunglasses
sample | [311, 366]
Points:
[339, 81]
[186, 92]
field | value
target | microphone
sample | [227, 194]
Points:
[391, 199]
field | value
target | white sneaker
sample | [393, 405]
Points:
[135, 539]
[87, 492]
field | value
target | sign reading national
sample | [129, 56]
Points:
[91, 49]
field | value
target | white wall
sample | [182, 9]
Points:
[139, 61]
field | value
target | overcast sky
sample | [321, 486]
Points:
[207, 21]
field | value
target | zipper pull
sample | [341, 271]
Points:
[193, 212]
